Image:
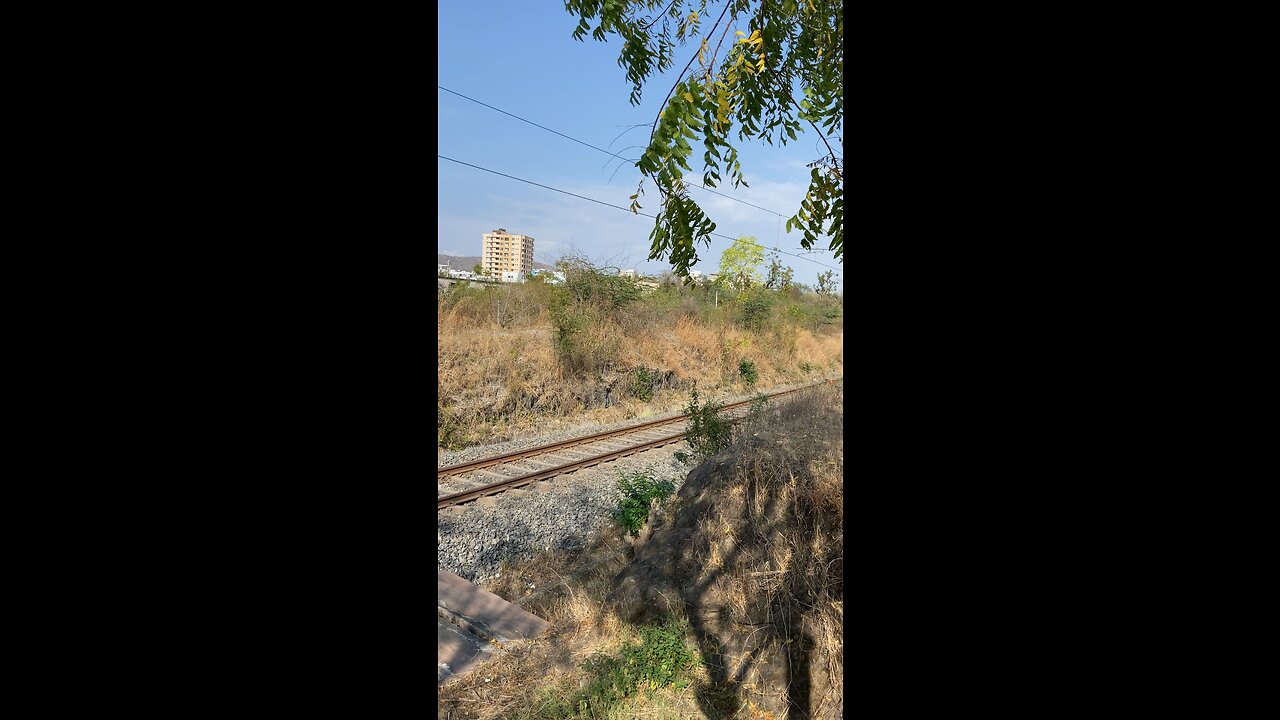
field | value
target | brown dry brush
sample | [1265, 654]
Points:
[513, 357]
[786, 580]
[569, 592]
[776, 531]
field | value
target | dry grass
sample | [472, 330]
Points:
[769, 552]
[767, 555]
[500, 376]
[570, 592]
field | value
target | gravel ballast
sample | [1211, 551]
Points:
[564, 514]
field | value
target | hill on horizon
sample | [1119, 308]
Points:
[466, 262]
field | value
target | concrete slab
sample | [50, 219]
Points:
[457, 650]
[484, 613]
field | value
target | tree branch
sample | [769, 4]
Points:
[711, 70]
[787, 91]
[835, 160]
[660, 15]
[654, 128]
[680, 77]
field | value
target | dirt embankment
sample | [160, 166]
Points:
[501, 383]
[752, 553]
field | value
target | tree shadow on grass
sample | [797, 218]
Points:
[729, 656]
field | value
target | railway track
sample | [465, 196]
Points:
[470, 481]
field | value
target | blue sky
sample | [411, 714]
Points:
[519, 56]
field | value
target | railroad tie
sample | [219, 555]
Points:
[585, 452]
[540, 465]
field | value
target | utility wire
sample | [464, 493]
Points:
[593, 147]
[744, 202]
[611, 154]
[548, 187]
[544, 127]
[618, 207]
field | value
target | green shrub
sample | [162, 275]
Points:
[590, 286]
[639, 490]
[642, 387]
[754, 311]
[747, 370]
[806, 366]
[584, 341]
[569, 323]
[708, 432]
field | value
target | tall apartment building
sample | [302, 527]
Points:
[504, 252]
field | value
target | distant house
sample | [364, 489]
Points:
[695, 274]
[628, 273]
[554, 277]
[512, 276]
[443, 269]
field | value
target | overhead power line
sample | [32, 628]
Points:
[606, 152]
[544, 127]
[744, 202]
[618, 207]
[548, 187]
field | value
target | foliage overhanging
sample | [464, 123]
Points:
[792, 45]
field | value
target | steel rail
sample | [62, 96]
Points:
[515, 482]
[544, 449]
[458, 498]
[461, 468]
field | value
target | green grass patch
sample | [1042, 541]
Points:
[661, 659]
